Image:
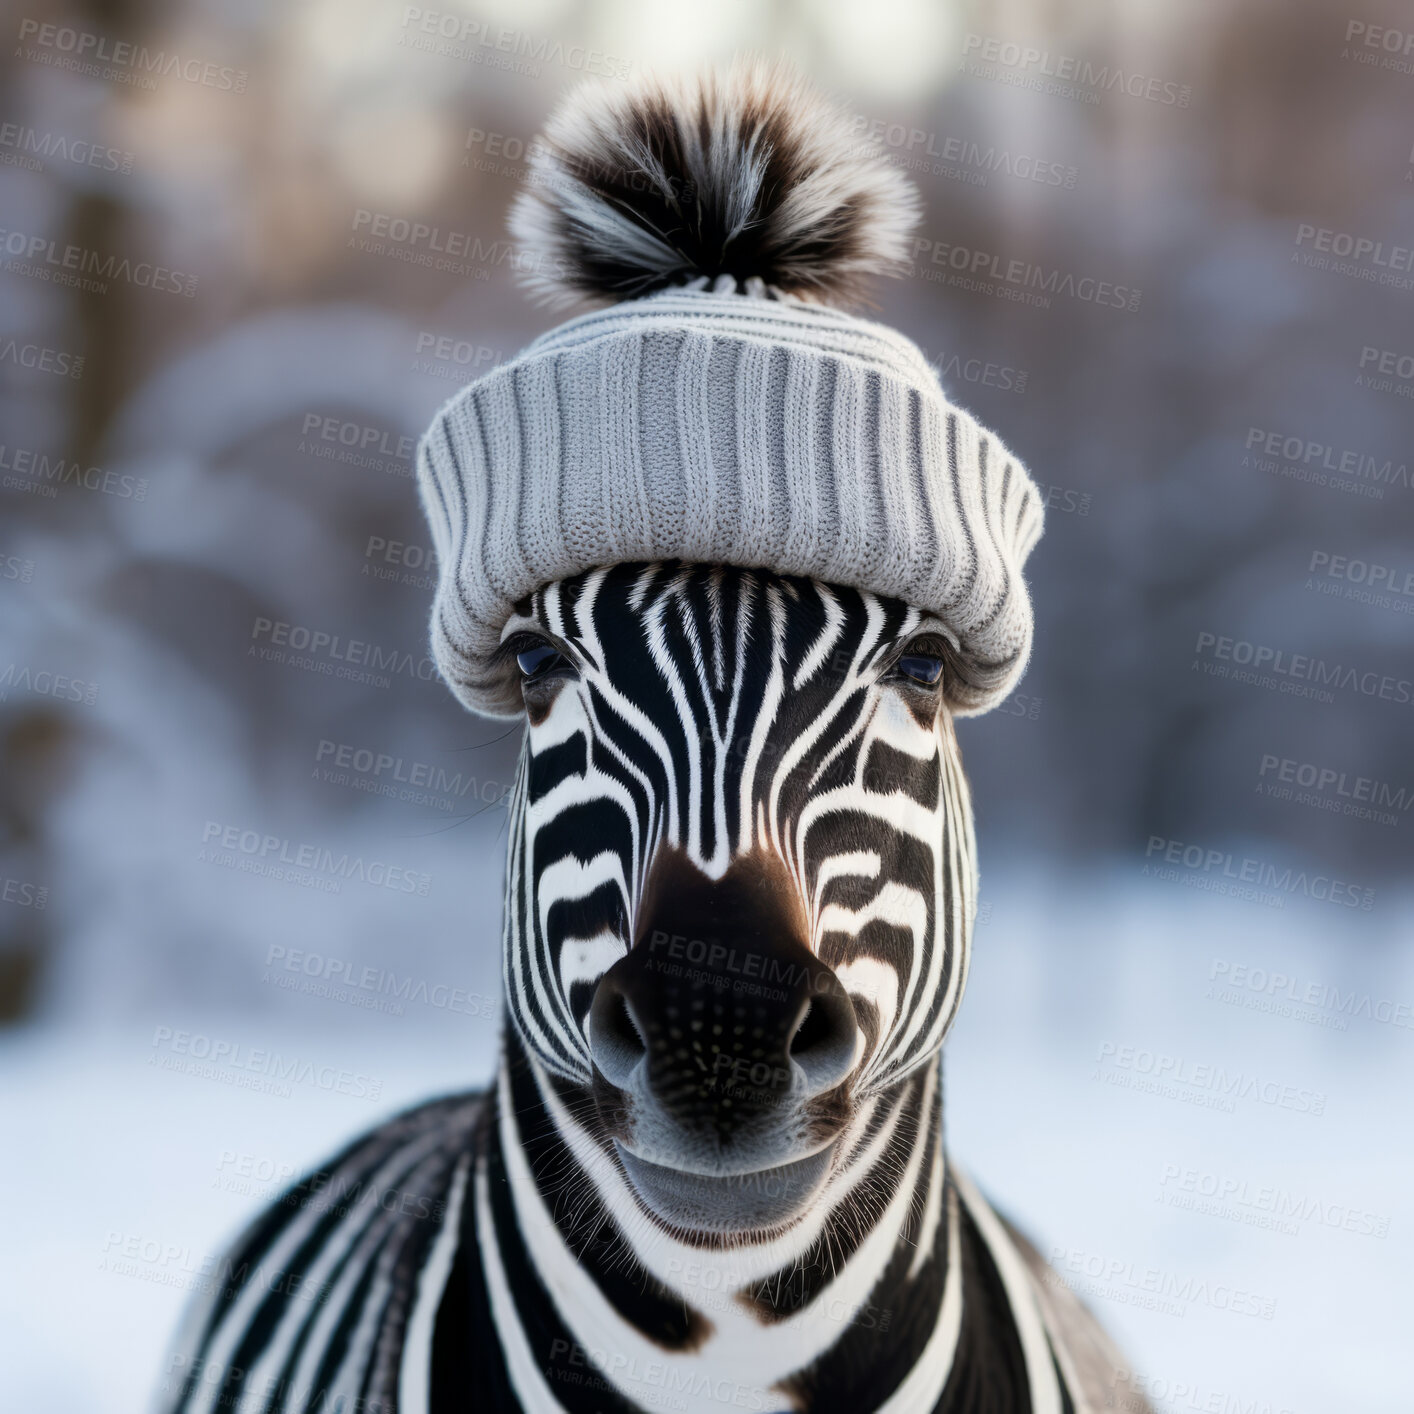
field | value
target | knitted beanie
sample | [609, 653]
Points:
[721, 409]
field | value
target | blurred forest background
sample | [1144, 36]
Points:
[215, 439]
[256, 435]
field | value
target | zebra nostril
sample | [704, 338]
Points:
[614, 1039]
[823, 1045]
[814, 1029]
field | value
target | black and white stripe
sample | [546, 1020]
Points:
[747, 739]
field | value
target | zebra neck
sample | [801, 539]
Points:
[857, 1307]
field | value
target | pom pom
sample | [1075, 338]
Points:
[746, 173]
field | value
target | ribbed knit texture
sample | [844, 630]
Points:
[727, 429]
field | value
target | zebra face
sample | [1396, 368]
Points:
[740, 882]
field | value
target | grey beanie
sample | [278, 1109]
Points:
[726, 414]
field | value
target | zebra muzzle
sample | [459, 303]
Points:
[722, 1045]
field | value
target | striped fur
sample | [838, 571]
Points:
[499, 1251]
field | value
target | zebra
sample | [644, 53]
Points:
[739, 566]
[710, 1173]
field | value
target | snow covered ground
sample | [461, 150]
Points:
[1223, 1173]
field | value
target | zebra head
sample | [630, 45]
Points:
[740, 884]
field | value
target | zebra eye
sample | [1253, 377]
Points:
[538, 661]
[920, 668]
